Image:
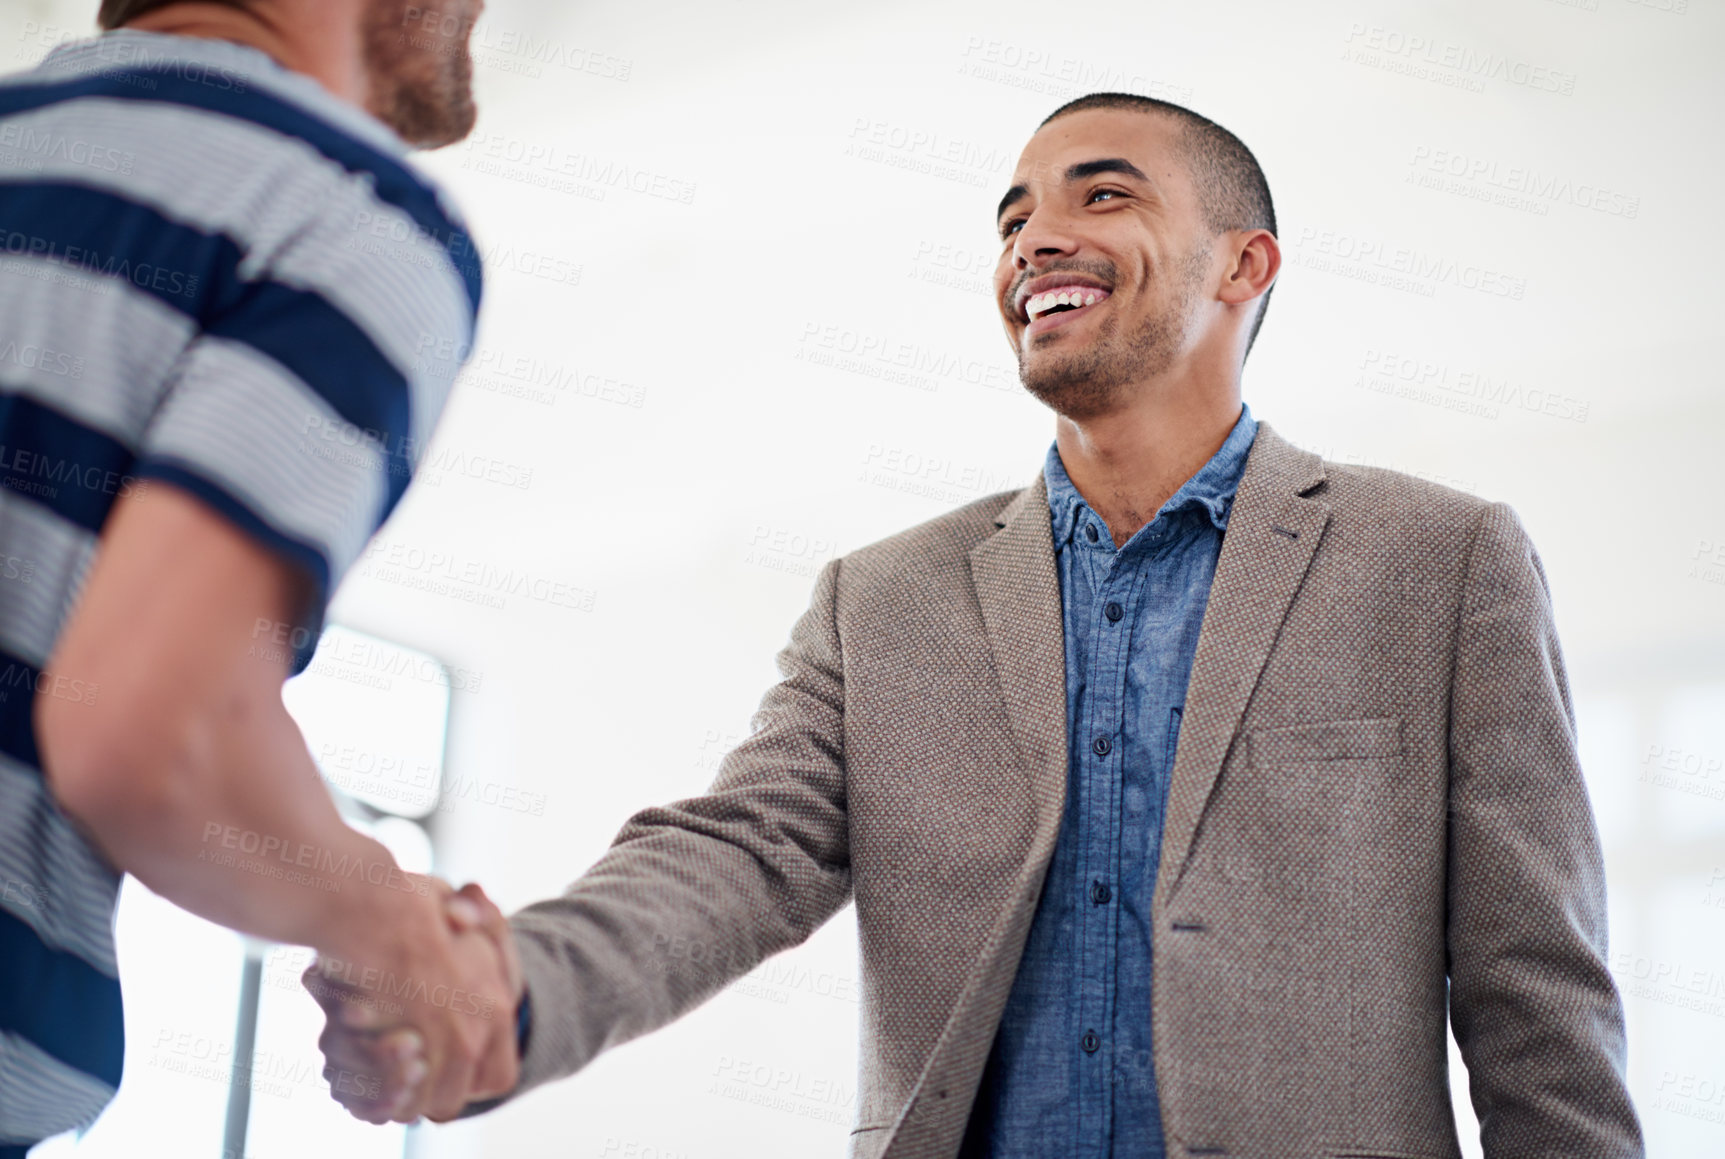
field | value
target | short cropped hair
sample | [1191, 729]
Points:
[1232, 190]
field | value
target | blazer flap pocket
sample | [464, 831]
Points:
[1333, 740]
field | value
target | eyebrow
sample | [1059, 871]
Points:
[1085, 169]
[1077, 172]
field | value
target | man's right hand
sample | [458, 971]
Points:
[421, 1021]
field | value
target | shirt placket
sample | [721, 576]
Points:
[1156, 593]
[1166, 583]
[1111, 611]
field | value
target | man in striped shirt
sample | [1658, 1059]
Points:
[229, 315]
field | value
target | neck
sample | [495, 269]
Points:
[1128, 462]
[321, 39]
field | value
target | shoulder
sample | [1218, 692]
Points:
[145, 72]
[281, 167]
[1407, 521]
[1402, 502]
[1395, 504]
[927, 548]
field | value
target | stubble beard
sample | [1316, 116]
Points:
[1095, 380]
[421, 81]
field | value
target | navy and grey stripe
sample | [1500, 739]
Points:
[68, 911]
[51, 998]
[263, 437]
[393, 182]
[317, 225]
[90, 228]
[42, 563]
[39, 1094]
[61, 308]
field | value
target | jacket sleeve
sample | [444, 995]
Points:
[1534, 1008]
[694, 894]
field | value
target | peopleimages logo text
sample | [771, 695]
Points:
[1460, 58]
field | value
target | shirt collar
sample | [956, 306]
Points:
[1210, 491]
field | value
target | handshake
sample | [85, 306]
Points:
[421, 1019]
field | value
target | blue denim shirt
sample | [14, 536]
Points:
[1070, 1073]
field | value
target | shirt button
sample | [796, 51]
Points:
[1090, 532]
[1113, 611]
[1101, 746]
[1100, 893]
[1090, 1042]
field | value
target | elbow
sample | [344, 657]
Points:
[111, 769]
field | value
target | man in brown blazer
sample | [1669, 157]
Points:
[1186, 847]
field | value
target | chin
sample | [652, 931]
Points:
[429, 118]
[421, 87]
[1069, 388]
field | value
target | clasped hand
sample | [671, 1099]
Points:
[421, 1021]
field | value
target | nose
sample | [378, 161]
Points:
[1045, 234]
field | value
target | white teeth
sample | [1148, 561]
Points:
[1042, 303]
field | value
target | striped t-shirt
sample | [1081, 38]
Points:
[215, 276]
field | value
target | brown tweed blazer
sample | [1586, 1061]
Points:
[1376, 789]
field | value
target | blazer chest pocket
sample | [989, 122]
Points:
[1329, 741]
[1321, 783]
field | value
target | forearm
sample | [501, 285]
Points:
[665, 920]
[235, 825]
[180, 762]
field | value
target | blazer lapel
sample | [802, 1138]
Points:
[1273, 530]
[1019, 590]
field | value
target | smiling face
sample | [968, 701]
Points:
[1106, 267]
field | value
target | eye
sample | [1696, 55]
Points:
[1096, 194]
[1010, 227]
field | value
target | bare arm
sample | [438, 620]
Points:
[186, 771]
[183, 755]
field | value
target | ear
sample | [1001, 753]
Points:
[1257, 261]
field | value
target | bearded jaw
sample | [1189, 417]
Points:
[421, 82]
[1097, 379]
[1081, 383]
[1094, 380]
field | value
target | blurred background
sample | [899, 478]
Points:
[737, 322]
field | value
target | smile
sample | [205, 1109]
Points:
[1061, 300]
